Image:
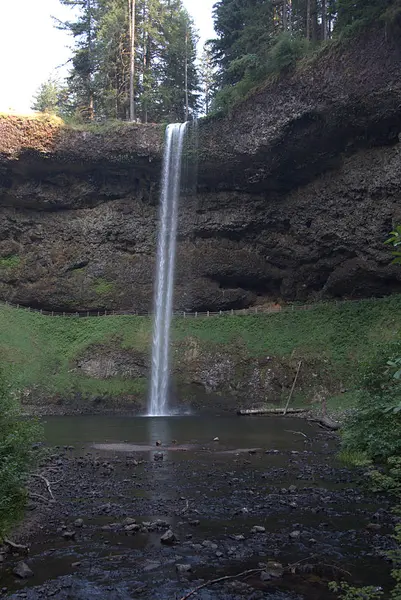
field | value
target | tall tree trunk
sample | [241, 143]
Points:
[132, 62]
[308, 19]
[314, 23]
[324, 20]
[285, 9]
[290, 16]
[186, 77]
[90, 53]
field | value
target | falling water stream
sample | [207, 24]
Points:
[171, 184]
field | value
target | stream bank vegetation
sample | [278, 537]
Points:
[17, 457]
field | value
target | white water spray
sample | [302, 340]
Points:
[171, 183]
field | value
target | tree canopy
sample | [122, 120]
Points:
[165, 82]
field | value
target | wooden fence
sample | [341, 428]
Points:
[255, 310]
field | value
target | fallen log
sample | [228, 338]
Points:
[269, 411]
[326, 422]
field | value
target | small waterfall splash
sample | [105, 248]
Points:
[171, 184]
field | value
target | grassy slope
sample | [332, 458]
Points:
[39, 352]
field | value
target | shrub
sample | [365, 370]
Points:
[16, 457]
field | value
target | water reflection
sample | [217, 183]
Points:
[159, 430]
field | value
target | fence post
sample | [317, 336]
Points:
[196, 315]
[17, 305]
[208, 313]
[63, 314]
[105, 312]
[184, 314]
[52, 313]
[41, 311]
[221, 312]
[232, 312]
[98, 313]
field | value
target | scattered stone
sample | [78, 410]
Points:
[252, 451]
[22, 570]
[292, 489]
[78, 523]
[132, 528]
[151, 565]
[312, 541]
[258, 529]
[275, 569]
[128, 521]
[194, 522]
[373, 526]
[210, 545]
[168, 538]
[68, 535]
[293, 505]
[76, 564]
[295, 535]
[158, 443]
[182, 569]
[219, 554]
[158, 456]
[264, 576]
[238, 538]
[216, 439]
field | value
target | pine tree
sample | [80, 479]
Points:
[207, 73]
[48, 97]
[83, 30]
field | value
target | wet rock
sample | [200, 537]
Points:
[293, 505]
[158, 456]
[151, 565]
[183, 569]
[258, 529]
[68, 535]
[76, 564]
[373, 526]
[158, 443]
[128, 521]
[218, 554]
[78, 523]
[132, 528]
[312, 541]
[238, 538]
[295, 535]
[264, 576]
[292, 489]
[194, 522]
[22, 570]
[216, 439]
[210, 545]
[274, 569]
[168, 538]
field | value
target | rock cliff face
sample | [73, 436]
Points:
[298, 188]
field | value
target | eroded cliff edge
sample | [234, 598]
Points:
[298, 188]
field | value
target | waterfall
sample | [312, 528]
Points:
[171, 184]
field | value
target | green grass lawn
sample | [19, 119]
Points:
[39, 352]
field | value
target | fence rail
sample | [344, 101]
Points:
[254, 310]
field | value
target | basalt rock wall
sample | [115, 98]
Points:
[297, 190]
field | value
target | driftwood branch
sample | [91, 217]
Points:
[16, 547]
[269, 411]
[34, 496]
[47, 483]
[220, 579]
[292, 388]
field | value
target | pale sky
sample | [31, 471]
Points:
[31, 48]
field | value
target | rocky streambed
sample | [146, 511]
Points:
[154, 508]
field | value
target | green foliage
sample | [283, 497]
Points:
[165, 54]
[103, 287]
[348, 592]
[395, 241]
[286, 52]
[16, 457]
[49, 97]
[40, 352]
[10, 262]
